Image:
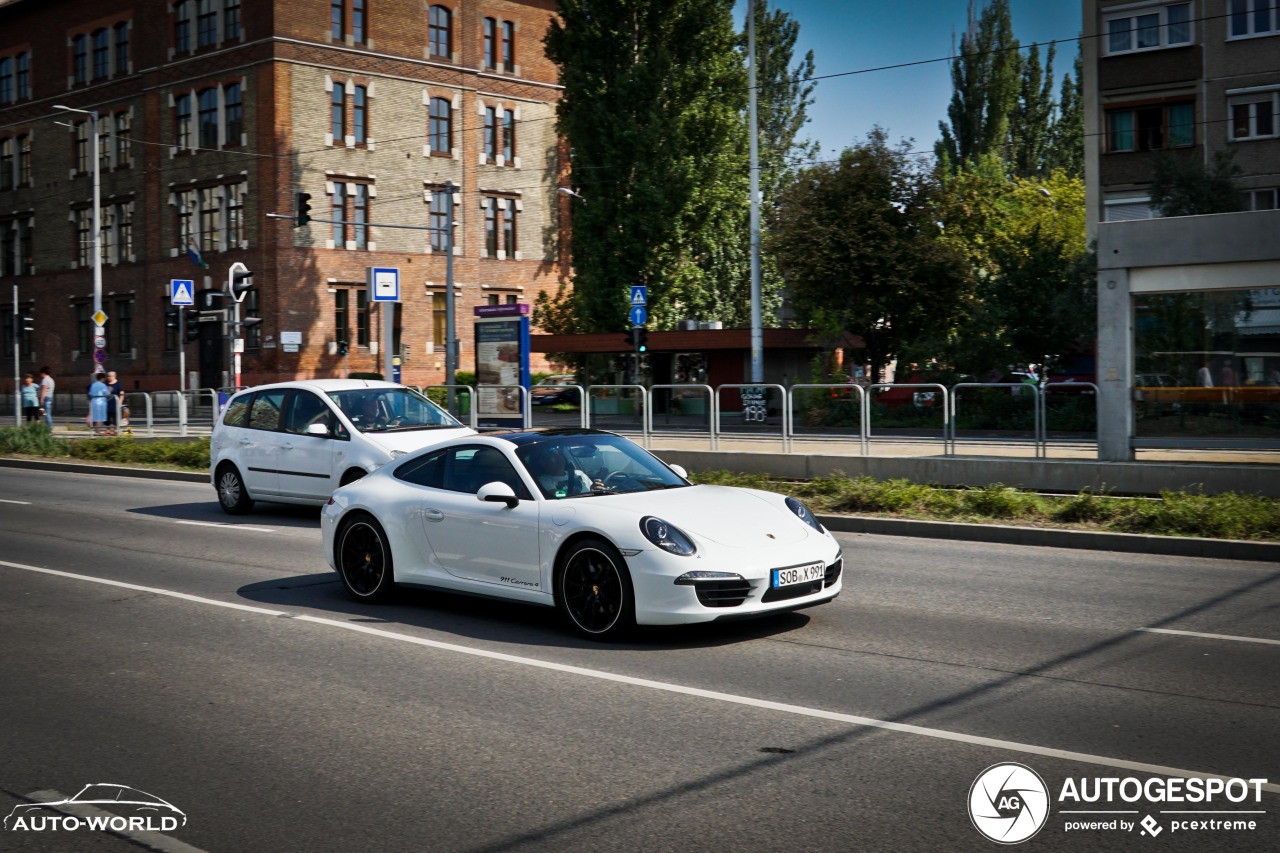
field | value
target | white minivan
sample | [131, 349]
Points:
[295, 442]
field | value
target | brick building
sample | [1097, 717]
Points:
[214, 114]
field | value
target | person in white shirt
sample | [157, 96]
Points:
[46, 396]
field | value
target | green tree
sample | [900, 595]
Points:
[1187, 187]
[1032, 120]
[1066, 152]
[985, 80]
[858, 245]
[654, 94]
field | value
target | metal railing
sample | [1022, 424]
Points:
[640, 401]
[1037, 432]
[718, 429]
[675, 408]
[948, 449]
[836, 390]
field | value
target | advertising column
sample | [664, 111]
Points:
[502, 364]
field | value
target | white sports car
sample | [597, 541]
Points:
[582, 520]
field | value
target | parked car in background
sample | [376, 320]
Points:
[560, 388]
[295, 442]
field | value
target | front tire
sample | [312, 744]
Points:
[233, 497]
[593, 591]
[363, 557]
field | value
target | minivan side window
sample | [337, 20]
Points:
[265, 413]
[305, 409]
[236, 411]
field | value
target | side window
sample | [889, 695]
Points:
[305, 409]
[265, 413]
[236, 411]
[424, 471]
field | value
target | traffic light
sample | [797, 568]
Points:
[302, 213]
[171, 318]
[342, 347]
[640, 339]
[191, 326]
[239, 281]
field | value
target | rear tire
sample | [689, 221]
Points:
[593, 591]
[233, 497]
[363, 557]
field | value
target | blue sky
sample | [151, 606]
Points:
[850, 35]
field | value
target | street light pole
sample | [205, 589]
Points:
[97, 213]
[450, 345]
[757, 335]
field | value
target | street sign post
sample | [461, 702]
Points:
[182, 291]
[639, 294]
[639, 316]
[384, 284]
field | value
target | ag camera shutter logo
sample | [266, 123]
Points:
[1008, 803]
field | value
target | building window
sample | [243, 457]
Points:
[186, 211]
[439, 318]
[7, 162]
[235, 215]
[182, 26]
[80, 59]
[508, 136]
[508, 46]
[440, 203]
[339, 215]
[208, 100]
[84, 236]
[337, 18]
[1167, 26]
[101, 54]
[1151, 128]
[24, 75]
[231, 20]
[1253, 18]
[82, 147]
[6, 80]
[357, 22]
[123, 140]
[182, 109]
[491, 299]
[122, 320]
[360, 114]
[122, 47]
[351, 215]
[341, 314]
[24, 160]
[360, 209]
[490, 132]
[1264, 199]
[124, 232]
[509, 227]
[83, 337]
[338, 113]
[362, 317]
[104, 145]
[206, 23]
[440, 32]
[441, 130]
[490, 227]
[490, 47]
[210, 213]
[234, 111]
[1256, 117]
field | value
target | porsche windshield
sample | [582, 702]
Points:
[583, 465]
[391, 410]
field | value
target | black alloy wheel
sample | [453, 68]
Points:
[364, 559]
[594, 592]
[233, 497]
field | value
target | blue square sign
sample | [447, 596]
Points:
[182, 291]
[384, 284]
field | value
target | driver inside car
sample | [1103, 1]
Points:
[554, 475]
[371, 416]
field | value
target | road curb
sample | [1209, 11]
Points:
[1134, 543]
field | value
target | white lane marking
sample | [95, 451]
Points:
[20, 503]
[150, 839]
[224, 524]
[716, 696]
[1210, 636]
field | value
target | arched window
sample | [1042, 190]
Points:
[441, 131]
[441, 32]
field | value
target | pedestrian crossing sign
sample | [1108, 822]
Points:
[182, 291]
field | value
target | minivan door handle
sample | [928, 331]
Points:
[433, 515]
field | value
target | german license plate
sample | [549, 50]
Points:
[798, 574]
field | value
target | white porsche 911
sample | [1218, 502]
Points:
[582, 520]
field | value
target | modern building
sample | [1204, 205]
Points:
[1188, 307]
[212, 116]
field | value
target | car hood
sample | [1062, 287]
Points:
[727, 515]
[414, 439]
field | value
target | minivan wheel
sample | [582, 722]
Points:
[233, 497]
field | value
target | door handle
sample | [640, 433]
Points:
[433, 515]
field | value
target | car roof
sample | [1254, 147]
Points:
[324, 386]
[521, 438]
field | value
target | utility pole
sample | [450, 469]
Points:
[99, 359]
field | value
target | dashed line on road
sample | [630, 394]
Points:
[1210, 636]
[224, 524]
[20, 503]
[667, 687]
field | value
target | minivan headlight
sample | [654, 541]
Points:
[802, 512]
[665, 536]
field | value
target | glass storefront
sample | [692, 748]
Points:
[1207, 364]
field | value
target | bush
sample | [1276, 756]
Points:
[33, 439]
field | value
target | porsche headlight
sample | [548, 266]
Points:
[666, 537]
[802, 512]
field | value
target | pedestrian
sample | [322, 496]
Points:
[98, 394]
[1204, 378]
[30, 399]
[115, 403]
[1228, 375]
[46, 396]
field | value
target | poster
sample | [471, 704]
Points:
[502, 364]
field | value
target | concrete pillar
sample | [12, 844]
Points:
[1115, 366]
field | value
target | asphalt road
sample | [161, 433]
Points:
[225, 671]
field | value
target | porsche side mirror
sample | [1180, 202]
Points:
[498, 492]
[680, 472]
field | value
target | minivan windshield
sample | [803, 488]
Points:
[391, 410]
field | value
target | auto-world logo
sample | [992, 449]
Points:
[100, 808]
[1008, 803]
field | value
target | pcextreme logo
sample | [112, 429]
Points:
[1009, 803]
[97, 808]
